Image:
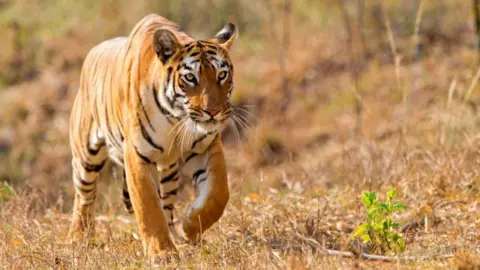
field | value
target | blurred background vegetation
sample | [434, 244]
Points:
[311, 72]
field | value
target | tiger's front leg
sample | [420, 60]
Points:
[151, 220]
[209, 174]
[169, 178]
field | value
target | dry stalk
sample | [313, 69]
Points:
[397, 59]
[354, 69]
[451, 90]
[360, 29]
[282, 47]
[416, 32]
[474, 83]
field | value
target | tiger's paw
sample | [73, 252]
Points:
[164, 259]
[77, 235]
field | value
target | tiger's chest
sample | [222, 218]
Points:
[161, 141]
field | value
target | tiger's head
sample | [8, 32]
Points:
[196, 78]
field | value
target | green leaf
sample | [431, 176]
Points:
[391, 194]
[395, 225]
[399, 206]
[401, 244]
[398, 240]
[383, 206]
[372, 214]
[368, 198]
[360, 230]
[366, 238]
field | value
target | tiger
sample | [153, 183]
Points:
[154, 103]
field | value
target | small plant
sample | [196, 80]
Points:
[378, 231]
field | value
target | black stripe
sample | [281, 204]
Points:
[172, 165]
[211, 52]
[144, 112]
[175, 86]
[168, 120]
[160, 107]
[147, 137]
[186, 67]
[82, 189]
[169, 74]
[169, 177]
[85, 183]
[126, 195]
[170, 100]
[181, 84]
[168, 206]
[144, 158]
[201, 180]
[198, 173]
[199, 140]
[176, 96]
[93, 167]
[192, 155]
[94, 152]
[189, 48]
[166, 196]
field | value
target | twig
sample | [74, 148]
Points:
[416, 32]
[32, 257]
[360, 29]
[469, 92]
[393, 45]
[372, 257]
[451, 90]
[476, 13]
[284, 54]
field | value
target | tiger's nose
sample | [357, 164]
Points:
[212, 112]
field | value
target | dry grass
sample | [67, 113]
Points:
[296, 174]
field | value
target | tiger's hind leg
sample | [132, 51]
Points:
[127, 203]
[85, 176]
[89, 157]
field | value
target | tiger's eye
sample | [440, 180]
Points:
[222, 75]
[190, 77]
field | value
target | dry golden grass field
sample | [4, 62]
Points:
[340, 97]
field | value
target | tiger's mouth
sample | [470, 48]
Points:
[210, 125]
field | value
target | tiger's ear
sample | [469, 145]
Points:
[165, 44]
[226, 36]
